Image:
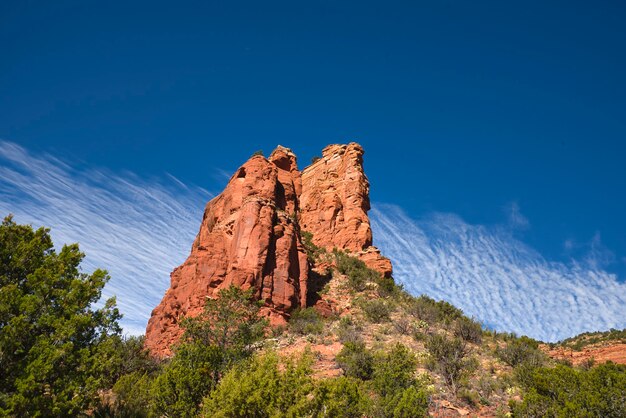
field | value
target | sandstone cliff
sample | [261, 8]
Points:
[250, 236]
[334, 204]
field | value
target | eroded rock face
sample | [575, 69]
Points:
[249, 236]
[334, 204]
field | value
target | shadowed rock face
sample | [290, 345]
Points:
[249, 236]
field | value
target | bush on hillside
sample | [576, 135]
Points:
[393, 380]
[342, 397]
[386, 286]
[356, 360]
[358, 274]
[448, 358]
[468, 329]
[427, 309]
[403, 326]
[376, 310]
[394, 370]
[566, 392]
[520, 350]
[306, 322]
[260, 388]
[349, 330]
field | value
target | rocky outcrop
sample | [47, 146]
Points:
[334, 204]
[250, 236]
[599, 353]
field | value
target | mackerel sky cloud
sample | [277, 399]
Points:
[140, 229]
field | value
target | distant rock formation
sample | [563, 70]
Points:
[250, 236]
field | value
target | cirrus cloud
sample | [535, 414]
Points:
[497, 278]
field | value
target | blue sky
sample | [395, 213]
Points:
[507, 120]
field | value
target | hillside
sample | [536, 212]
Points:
[366, 348]
[284, 308]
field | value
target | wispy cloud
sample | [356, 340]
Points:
[141, 229]
[516, 219]
[138, 230]
[497, 278]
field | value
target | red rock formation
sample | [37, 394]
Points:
[334, 204]
[249, 236]
[600, 353]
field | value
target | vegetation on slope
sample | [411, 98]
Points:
[585, 339]
[374, 351]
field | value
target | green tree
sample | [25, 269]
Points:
[178, 390]
[231, 323]
[222, 335]
[566, 392]
[259, 388]
[53, 342]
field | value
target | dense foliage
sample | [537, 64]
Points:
[55, 346]
[62, 356]
[222, 336]
[563, 391]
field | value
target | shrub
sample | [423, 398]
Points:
[448, 312]
[400, 394]
[386, 286]
[306, 322]
[403, 326]
[260, 388]
[259, 152]
[470, 396]
[565, 392]
[356, 360]
[422, 308]
[408, 403]
[342, 397]
[132, 397]
[487, 386]
[376, 310]
[447, 358]
[394, 370]
[520, 350]
[313, 252]
[191, 374]
[348, 330]
[429, 310]
[359, 275]
[468, 329]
